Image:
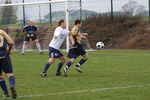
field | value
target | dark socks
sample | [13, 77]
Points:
[60, 66]
[12, 81]
[3, 85]
[82, 61]
[46, 67]
[68, 65]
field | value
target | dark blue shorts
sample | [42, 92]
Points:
[5, 62]
[77, 51]
[54, 53]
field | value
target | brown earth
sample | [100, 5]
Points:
[123, 33]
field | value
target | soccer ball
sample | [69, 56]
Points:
[100, 45]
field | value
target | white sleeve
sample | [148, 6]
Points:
[57, 32]
[67, 32]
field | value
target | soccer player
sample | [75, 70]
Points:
[6, 45]
[54, 48]
[76, 48]
[31, 34]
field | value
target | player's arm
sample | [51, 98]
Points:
[35, 30]
[84, 34]
[9, 40]
[56, 33]
[84, 37]
[24, 30]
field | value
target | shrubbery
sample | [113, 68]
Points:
[112, 32]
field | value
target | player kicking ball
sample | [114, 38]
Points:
[76, 49]
[54, 48]
[31, 34]
[6, 45]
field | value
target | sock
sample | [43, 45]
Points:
[82, 61]
[38, 47]
[12, 81]
[46, 67]
[68, 65]
[60, 66]
[3, 85]
[23, 48]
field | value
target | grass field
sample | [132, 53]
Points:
[108, 75]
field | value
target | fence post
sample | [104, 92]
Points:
[149, 9]
[24, 18]
[50, 13]
[80, 9]
[112, 11]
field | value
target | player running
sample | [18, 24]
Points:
[31, 34]
[76, 48]
[59, 37]
[6, 45]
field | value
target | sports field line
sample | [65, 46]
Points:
[23, 60]
[83, 91]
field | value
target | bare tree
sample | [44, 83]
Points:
[132, 8]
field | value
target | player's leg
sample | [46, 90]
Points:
[61, 63]
[9, 72]
[47, 65]
[3, 86]
[83, 53]
[52, 57]
[38, 46]
[82, 61]
[24, 46]
[2, 80]
[68, 65]
[72, 54]
[12, 83]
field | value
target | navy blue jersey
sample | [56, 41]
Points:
[5, 61]
[4, 45]
[30, 29]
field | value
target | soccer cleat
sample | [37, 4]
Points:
[14, 93]
[43, 74]
[65, 72]
[22, 53]
[6, 95]
[58, 74]
[78, 69]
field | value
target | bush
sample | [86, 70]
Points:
[112, 32]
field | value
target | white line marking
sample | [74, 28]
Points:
[22, 60]
[83, 91]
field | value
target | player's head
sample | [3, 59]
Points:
[31, 23]
[78, 23]
[62, 23]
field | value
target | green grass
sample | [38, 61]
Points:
[104, 69]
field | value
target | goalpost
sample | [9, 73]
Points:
[66, 8]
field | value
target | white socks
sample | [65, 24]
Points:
[23, 48]
[38, 47]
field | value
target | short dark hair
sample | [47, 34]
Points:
[60, 22]
[77, 21]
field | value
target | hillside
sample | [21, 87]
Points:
[122, 33]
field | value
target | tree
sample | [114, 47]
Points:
[133, 9]
[9, 14]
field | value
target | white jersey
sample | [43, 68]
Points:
[61, 34]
